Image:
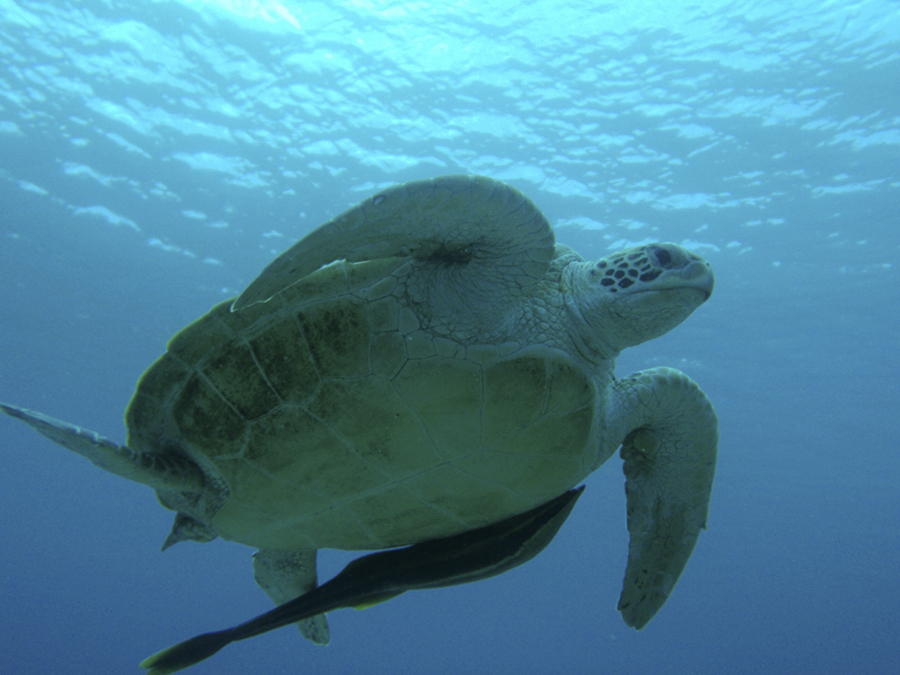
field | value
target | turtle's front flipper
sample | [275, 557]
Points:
[670, 458]
[165, 473]
[491, 229]
[285, 575]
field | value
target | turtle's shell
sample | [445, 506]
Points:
[336, 421]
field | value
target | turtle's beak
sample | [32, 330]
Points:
[696, 274]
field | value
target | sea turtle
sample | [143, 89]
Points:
[425, 364]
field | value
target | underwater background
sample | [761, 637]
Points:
[156, 155]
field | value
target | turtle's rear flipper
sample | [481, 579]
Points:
[670, 459]
[459, 559]
[285, 575]
[168, 473]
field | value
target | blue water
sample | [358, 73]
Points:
[154, 156]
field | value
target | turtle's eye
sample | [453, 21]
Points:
[663, 257]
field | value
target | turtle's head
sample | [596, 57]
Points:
[640, 293]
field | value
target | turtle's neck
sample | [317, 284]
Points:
[583, 332]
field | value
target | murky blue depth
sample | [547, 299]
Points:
[154, 156]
